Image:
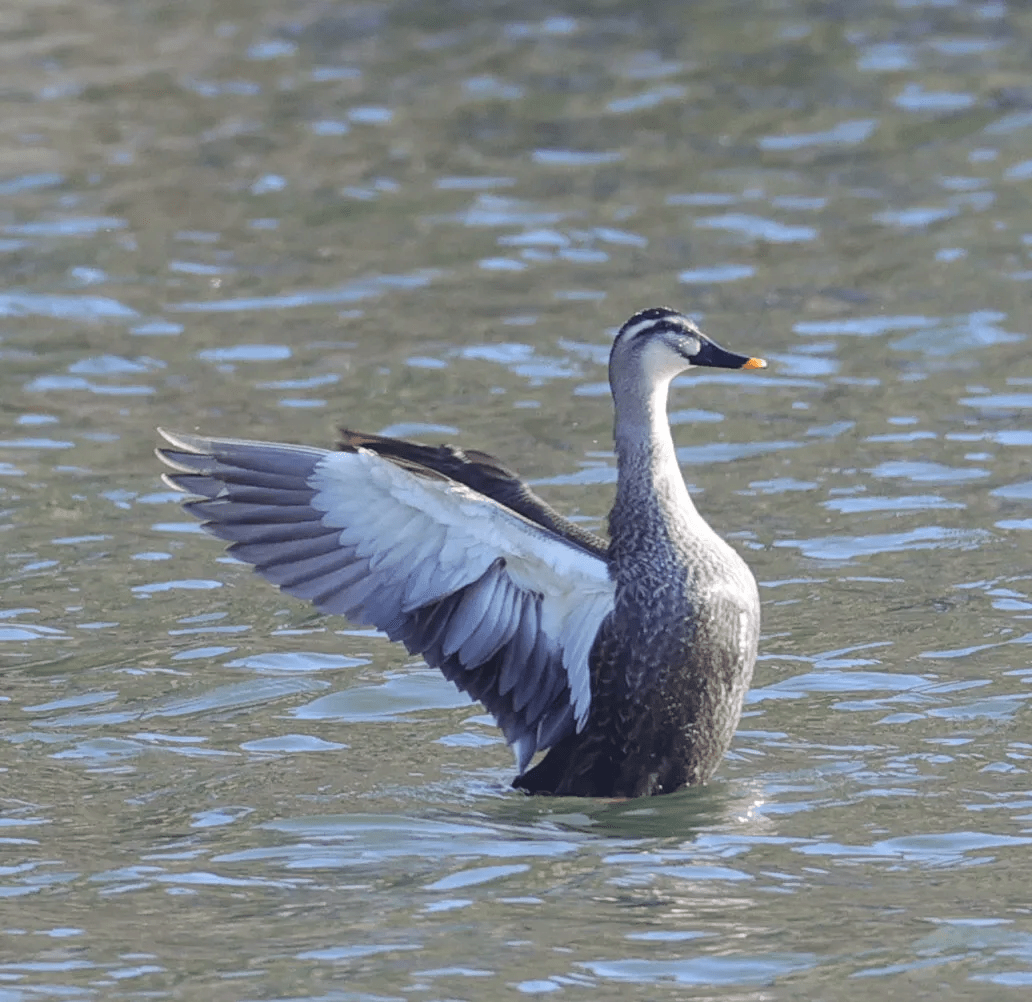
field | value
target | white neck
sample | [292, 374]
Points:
[649, 475]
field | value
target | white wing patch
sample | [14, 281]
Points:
[442, 536]
[504, 607]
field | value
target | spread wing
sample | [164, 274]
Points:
[506, 608]
[485, 474]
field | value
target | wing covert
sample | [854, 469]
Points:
[505, 608]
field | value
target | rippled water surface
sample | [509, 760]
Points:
[428, 219]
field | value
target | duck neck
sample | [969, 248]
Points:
[652, 503]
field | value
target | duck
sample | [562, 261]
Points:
[625, 661]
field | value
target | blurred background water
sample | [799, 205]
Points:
[268, 219]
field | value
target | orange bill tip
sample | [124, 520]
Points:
[755, 363]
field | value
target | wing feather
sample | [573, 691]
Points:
[287, 573]
[419, 587]
[246, 513]
[412, 546]
[429, 622]
[507, 608]
[379, 606]
[347, 599]
[476, 600]
[266, 555]
[555, 724]
[495, 628]
[247, 493]
[531, 675]
[274, 533]
[321, 587]
[518, 651]
[550, 682]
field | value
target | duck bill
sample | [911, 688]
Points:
[720, 358]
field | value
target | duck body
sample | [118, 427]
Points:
[673, 661]
[627, 661]
[669, 672]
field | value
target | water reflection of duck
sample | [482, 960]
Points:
[628, 660]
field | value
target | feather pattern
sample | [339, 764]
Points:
[506, 608]
[627, 659]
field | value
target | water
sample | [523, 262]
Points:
[268, 220]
